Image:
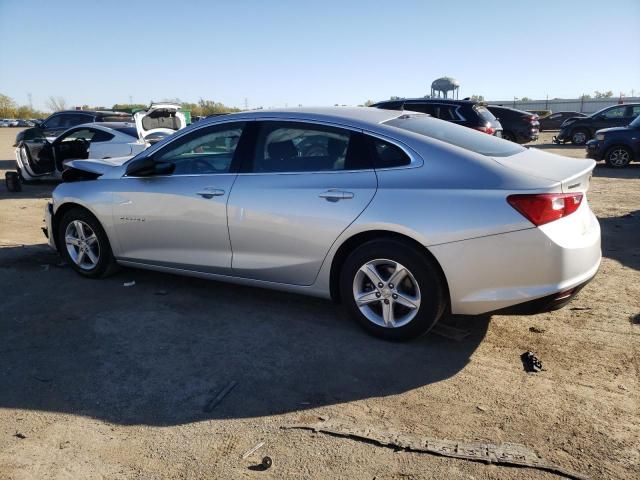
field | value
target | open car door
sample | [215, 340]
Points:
[158, 121]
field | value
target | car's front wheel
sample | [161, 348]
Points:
[392, 289]
[579, 136]
[84, 244]
[618, 156]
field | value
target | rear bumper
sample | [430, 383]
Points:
[490, 274]
[549, 303]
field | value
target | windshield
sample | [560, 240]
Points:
[457, 135]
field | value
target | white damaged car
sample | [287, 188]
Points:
[39, 157]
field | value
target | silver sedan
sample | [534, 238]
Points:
[401, 217]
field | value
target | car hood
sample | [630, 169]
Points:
[573, 174]
[98, 166]
[613, 130]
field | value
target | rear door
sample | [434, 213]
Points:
[304, 185]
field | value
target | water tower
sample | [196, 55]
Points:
[442, 86]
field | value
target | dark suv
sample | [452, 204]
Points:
[58, 122]
[517, 125]
[580, 129]
[618, 146]
[467, 113]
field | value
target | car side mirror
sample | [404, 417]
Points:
[147, 167]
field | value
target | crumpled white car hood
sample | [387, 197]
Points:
[96, 165]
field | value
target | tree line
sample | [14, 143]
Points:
[9, 108]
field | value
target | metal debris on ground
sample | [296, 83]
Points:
[450, 332]
[580, 308]
[267, 463]
[253, 450]
[531, 363]
[19, 435]
[223, 393]
[129, 284]
[635, 319]
[537, 330]
[512, 454]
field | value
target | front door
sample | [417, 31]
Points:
[305, 185]
[180, 220]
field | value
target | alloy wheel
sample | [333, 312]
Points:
[82, 244]
[619, 157]
[386, 293]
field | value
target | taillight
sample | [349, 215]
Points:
[545, 207]
[488, 130]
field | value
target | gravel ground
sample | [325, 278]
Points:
[98, 380]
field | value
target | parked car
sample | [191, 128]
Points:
[399, 216]
[579, 130]
[540, 113]
[553, 121]
[4, 122]
[617, 146]
[40, 159]
[467, 113]
[517, 125]
[59, 122]
[36, 148]
[24, 123]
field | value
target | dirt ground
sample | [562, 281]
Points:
[98, 380]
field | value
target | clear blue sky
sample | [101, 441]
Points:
[313, 53]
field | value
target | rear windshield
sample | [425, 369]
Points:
[132, 131]
[484, 113]
[457, 135]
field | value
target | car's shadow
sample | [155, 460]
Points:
[620, 238]
[160, 351]
[631, 171]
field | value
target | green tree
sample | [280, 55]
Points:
[7, 106]
[599, 94]
[477, 98]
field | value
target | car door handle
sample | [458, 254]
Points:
[210, 192]
[335, 195]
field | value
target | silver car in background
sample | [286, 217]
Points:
[399, 216]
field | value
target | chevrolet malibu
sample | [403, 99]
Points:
[399, 216]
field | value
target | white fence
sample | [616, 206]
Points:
[584, 105]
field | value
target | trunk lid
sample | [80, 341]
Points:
[573, 174]
[158, 121]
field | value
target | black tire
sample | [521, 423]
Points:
[580, 136]
[618, 156]
[12, 182]
[105, 264]
[424, 272]
[508, 136]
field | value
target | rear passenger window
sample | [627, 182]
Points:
[306, 147]
[100, 136]
[388, 155]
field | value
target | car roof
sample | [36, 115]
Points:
[95, 112]
[355, 116]
[430, 100]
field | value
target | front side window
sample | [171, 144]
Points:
[53, 122]
[204, 151]
[303, 147]
[617, 112]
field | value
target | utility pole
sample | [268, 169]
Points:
[30, 101]
[130, 100]
[246, 103]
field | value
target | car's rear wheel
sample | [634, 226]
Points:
[84, 244]
[393, 290]
[579, 136]
[618, 156]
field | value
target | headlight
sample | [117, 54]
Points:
[600, 137]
